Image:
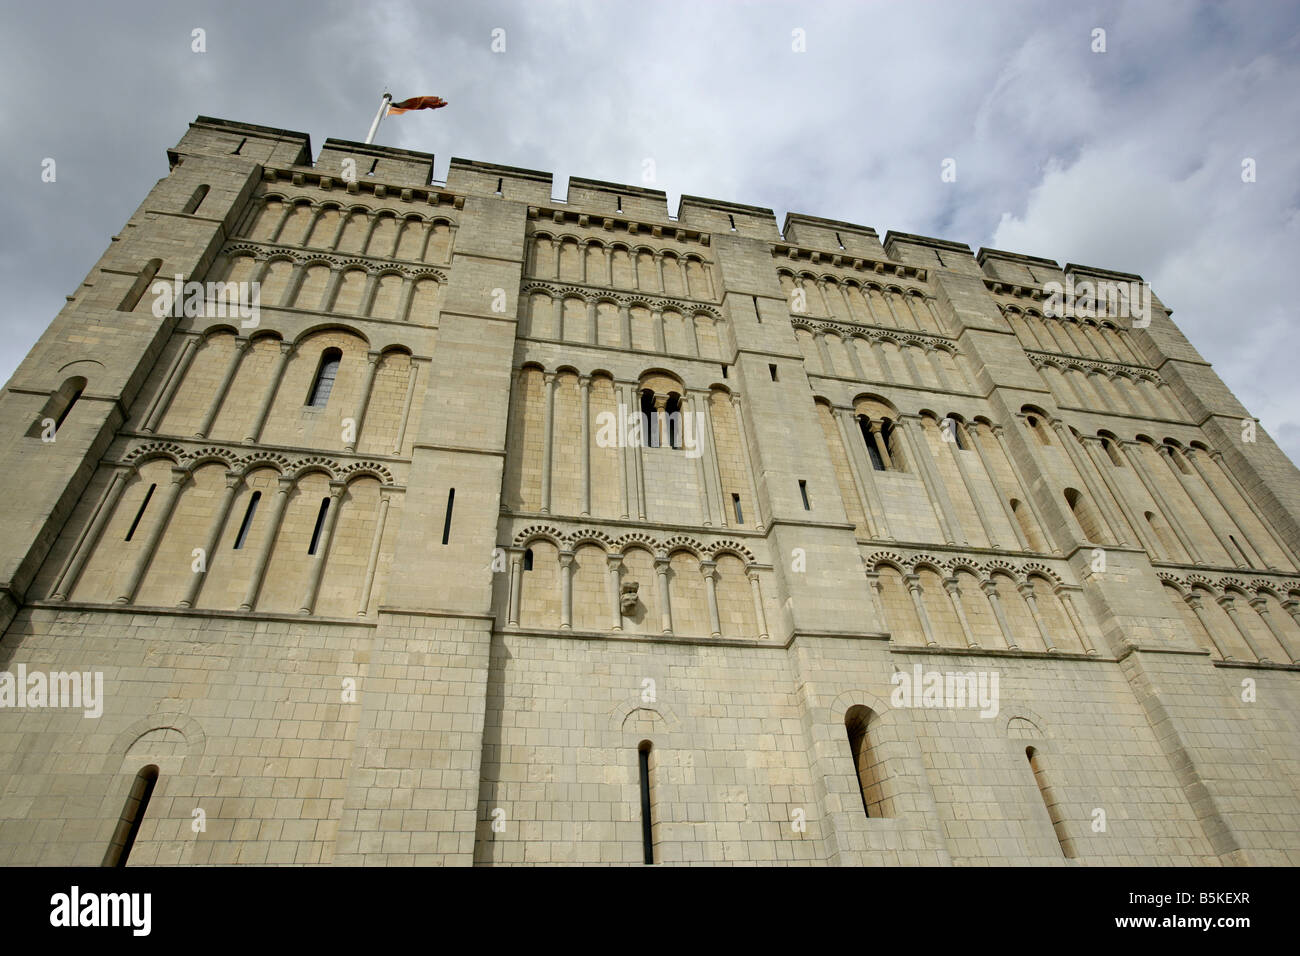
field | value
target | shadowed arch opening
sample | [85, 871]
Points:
[128, 824]
[1050, 800]
[868, 766]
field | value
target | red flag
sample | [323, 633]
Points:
[417, 103]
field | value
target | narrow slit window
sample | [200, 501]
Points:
[868, 767]
[803, 493]
[248, 520]
[733, 222]
[619, 208]
[240, 147]
[195, 200]
[771, 370]
[58, 406]
[446, 524]
[128, 824]
[1050, 801]
[373, 166]
[142, 282]
[323, 384]
[839, 240]
[735, 505]
[647, 824]
[130, 533]
[320, 524]
[724, 371]
[71, 400]
[499, 182]
[757, 314]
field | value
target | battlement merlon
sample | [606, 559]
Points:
[831, 235]
[267, 145]
[617, 199]
[404, 167]
[478, 178]
[926, 252]
[1018, 268]
[722, 217]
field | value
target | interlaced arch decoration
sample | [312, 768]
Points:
[288, 465]
[557, 290]
[568, 540]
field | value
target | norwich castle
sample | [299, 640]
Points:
[358, 517]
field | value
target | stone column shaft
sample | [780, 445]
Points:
[174, 378]
[709, 569]
[317, 568]
[268, 544]
[268, 395]
[756, 591]
[89, 538]
[548, 440]
[372, 563]
[213, 539]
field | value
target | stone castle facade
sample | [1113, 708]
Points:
[517, 530]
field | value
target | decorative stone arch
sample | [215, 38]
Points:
[887, 559]
[632, 707]
[211, 455]
[683, 543]
[1019, 723]
[734, 548]
[85, 373]
[214, 330]
[265, 459]
[544, 532]
[187, 726]
[1036, 567]
[638, 539]
[590, 536]
[330, 326]
[150, 451]
[311, 466]
[365, 469]
[936, 564]
[968, 565]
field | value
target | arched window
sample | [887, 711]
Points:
[889, 436]
[1112, 452]
[1027, 528]
[323, 383]
[1081, 508]
[864, 425]
[138, 287]
[647, 823]
[649, 419]
[195, 200]
[248, 520]
[673, 409]
[959, 434]
[1039, 429]
[1175, 455]
[528, 559]
[867, 765]
[1167, 541]
[58, 406]
[128, 824]
[1054, 811]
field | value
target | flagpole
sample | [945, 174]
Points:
[383, 109]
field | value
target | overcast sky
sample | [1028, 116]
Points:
[1129, 159]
